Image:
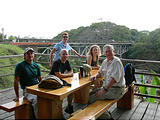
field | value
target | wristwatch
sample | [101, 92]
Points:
[105, 89]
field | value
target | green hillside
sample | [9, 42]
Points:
[7, 81]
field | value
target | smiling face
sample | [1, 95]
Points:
[29, 56]
[94, 51]
[65, 38]
[109, 53]
[63, 55]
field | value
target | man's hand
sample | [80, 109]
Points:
[82, 56]
[16, 99]
[100, 93]
[50, 65]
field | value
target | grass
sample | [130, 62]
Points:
[7, 81]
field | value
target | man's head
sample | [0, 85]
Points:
[63, 55]
[29, 54]
[65, 37]
[109, 51]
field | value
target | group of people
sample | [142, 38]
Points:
[28, 73]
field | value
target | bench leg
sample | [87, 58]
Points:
[127, 101]
[82, 96]
[24, 112]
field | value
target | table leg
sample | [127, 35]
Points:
[82, 96]
[49, 109]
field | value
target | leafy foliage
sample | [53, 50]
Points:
[152, 91]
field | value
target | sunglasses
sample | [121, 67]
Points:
[65, 36]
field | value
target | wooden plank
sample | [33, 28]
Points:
[157, 116]
[6, 115]
[125, 114]
[11, 106]
[140, 111]
[151, 111]
[10, 118]
[91, 113]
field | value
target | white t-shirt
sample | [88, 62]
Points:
[114, 69]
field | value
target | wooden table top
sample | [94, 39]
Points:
[61, 93]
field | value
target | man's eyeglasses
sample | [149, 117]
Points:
[65, 36]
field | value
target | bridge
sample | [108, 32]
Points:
[46, 45]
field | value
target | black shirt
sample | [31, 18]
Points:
[60, 67]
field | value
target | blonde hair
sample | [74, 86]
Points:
[91, 48]
[64, 33]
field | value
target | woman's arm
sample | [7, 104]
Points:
[89, 59]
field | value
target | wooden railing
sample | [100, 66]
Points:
[135, 62]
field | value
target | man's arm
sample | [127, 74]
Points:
[64, 75]
[111, 82]
[39, 78]
[51, 57]
[16, 88]
[93, 78]
[75, 52]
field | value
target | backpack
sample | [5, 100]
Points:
[52, 82]
[129, 74]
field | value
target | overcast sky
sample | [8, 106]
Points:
[47, 18]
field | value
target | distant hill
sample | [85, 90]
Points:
[102, 32]
[145, 44]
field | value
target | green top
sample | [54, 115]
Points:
[28, 73]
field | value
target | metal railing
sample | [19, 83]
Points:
[134, 61]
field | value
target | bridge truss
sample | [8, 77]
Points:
[82, 48]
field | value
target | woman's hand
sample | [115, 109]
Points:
[92, 78]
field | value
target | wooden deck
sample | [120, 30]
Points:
[141, 110]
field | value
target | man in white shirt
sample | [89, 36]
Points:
[113, 72]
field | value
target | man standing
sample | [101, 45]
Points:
[27, 73]
[61, 45]
[61, 68]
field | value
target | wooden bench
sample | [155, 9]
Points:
[96, 109]
[22, 108]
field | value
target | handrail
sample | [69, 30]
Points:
[147, 85]
[145, 95]
[151, 74]
[125, 60]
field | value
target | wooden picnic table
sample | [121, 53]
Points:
[49, 101]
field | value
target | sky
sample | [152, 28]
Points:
[48, 18]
